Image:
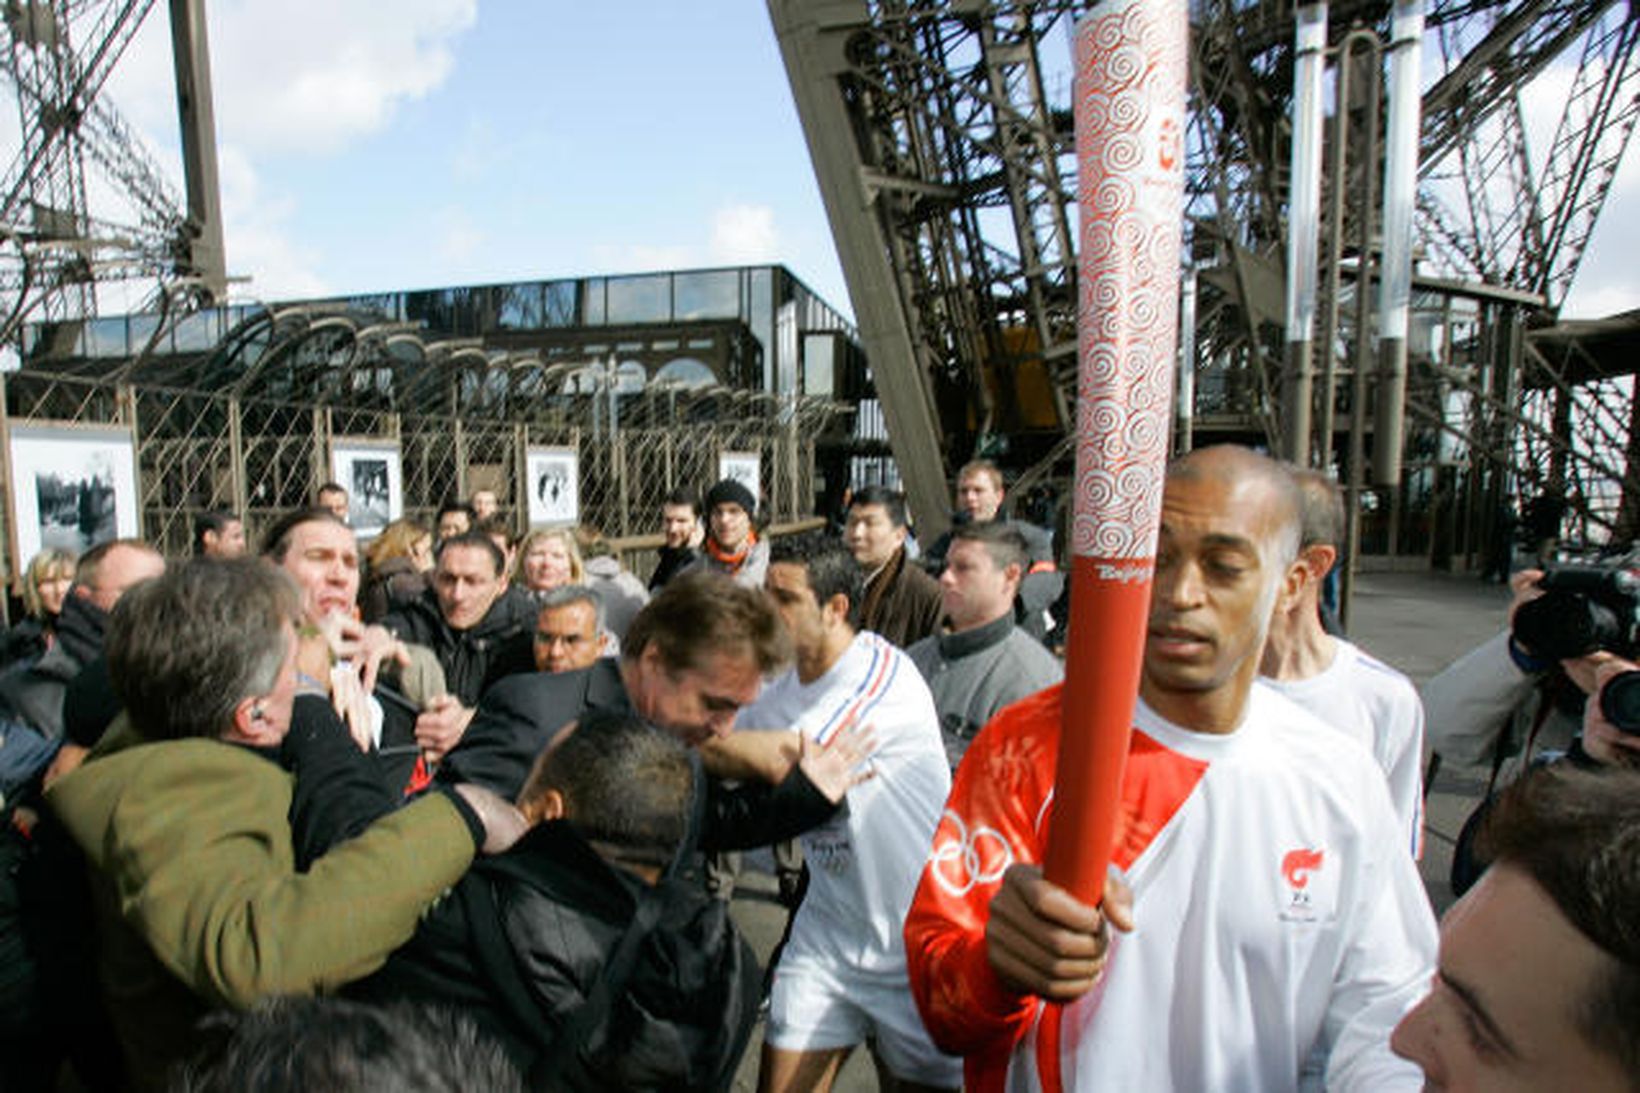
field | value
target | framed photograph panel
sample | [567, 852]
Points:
[369, 469]
[553, 483]
[745, 468]
[72, 487]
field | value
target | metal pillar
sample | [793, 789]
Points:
[1400, 199]
[460, 437]
[319, 461]
[1184, 402]
[127, 402]
[814, 41]
[1363, 341]
[1303, 213]
[1560, 442]
[1367, 40]
[236, 457]
[1628, 506]
[191, 55]
[8, 544]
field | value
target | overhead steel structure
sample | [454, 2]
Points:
[55, 246]
[941, 138]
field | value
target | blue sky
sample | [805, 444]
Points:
[371, 146]
[438, 142]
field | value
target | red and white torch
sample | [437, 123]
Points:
[1131, 61]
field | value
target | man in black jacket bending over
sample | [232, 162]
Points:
[582, 950]
[692, 658]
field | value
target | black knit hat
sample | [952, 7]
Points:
[731, 492]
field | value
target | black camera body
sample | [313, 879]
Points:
[1584, 608]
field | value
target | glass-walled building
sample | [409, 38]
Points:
[751, 327]
[514, 352]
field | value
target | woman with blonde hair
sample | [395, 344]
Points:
[46, 581]
[548, 558]
[398, 561]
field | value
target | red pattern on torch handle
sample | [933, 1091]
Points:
[1130, 76]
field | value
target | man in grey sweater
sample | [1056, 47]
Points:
[982, 661]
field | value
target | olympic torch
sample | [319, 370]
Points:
[1131, 58]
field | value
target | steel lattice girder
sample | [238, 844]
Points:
[57, 58]
[926, 99]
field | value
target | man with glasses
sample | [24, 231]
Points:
[569, 632]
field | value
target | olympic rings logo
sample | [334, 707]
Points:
[964, 859]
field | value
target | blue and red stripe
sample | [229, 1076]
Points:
[871, 690]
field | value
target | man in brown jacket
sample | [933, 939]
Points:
[902, 603]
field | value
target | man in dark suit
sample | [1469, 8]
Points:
[693, 657]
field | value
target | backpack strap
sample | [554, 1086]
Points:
[593, 1012]
[1502, 749]
[495, 958]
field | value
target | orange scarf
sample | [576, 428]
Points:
[732, 562]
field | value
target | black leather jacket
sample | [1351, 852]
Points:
[474, 658]
[553, 913]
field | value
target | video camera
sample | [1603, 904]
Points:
[1585, 607]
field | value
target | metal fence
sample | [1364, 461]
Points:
[260, 456]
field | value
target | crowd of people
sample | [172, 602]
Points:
[478, 798]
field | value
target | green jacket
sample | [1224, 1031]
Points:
[198, 900]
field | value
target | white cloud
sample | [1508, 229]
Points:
[11, 134]
[744, 234]
[643, 258]
[1607, 282]
[284, 270]
[1542, 102]
[480, 151]
[300, 76]
[1604, 284]
[258, 241]
[296, 78]
[1602, 300]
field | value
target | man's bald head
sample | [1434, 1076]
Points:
[1226, 553]
[1252, 479]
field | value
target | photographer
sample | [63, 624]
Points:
[1521, 699]
[1505, 703]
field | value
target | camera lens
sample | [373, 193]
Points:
[1559, 625]
[1620, 701]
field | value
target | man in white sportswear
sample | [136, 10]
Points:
[1275, 915]
[1334, 679]
[842, 977]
